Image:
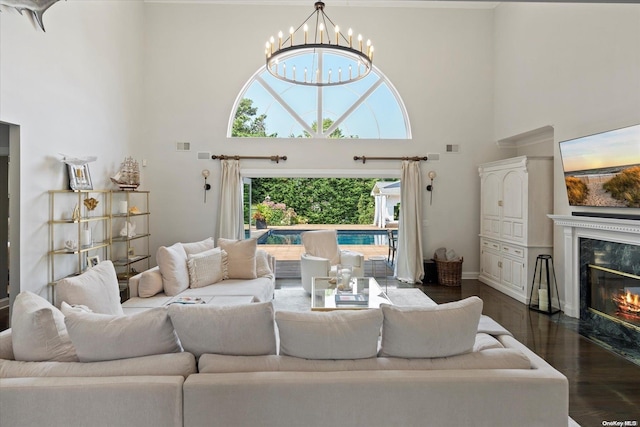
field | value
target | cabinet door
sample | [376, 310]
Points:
[513, 206]
[490, 264]
[491, 193]
[513, 273]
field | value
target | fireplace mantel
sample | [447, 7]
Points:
[576, 227]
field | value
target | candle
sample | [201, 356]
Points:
[305, 74]
[371, 54]
[122, 207]
[360, 41]
[329, 75]
[272, 42]
[291, 31]
[284, 70]
[306, 29]
[321, 28]
[543, 302]
[350, 32]
[350, 76]
[279, 39]
[294, 72]
[339, 74]
[337, 33]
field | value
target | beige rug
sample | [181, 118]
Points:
[296, 299]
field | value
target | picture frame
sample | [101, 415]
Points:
[79, 177]
[92, 261]
[131, 253]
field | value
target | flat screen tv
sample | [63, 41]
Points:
[603, 170]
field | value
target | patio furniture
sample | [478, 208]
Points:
[322, 254]
[392, 237]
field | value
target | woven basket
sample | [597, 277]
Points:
[449, 272]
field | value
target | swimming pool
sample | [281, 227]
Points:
[345, 237]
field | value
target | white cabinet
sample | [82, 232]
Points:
[516, 196]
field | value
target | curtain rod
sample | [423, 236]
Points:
[364, 159]
[272, 158]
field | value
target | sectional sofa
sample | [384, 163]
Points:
[246, 365]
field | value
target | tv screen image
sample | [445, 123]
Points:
[603, 169]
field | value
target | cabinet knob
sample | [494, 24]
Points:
[499, 202]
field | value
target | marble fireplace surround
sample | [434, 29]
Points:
[575, 227]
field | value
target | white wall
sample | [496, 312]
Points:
[573, 66]
[198, 57]
[75, 90]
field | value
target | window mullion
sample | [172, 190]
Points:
[285, 105]
[353, 107]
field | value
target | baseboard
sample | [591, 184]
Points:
[470, 275]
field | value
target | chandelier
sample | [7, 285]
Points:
[320, 57]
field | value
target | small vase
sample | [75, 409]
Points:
[85, 238]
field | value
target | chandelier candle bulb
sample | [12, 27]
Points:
[371, 54]
[291, 31]
[339, 74]
[350, 32]
[305, 74]
[321, 28]
[284, 70]
[306, 31]
[329, 75]
[272, 42]
[350, 76]
[294, 72]
[279, 39]
[360, 42]
[337, 34]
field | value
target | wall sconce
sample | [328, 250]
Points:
[431, 175]
[207, 186]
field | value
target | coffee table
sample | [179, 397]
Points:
[323, 294]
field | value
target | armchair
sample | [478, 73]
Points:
[322, 254]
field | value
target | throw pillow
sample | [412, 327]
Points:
[207, 268]
[241, 257]
[150, 283]
[38, 332]
[97, 288]
[241, 330]
[323, 244]
[98, 337]
[172, 262]
[197, 247]
[329, 335]
[67, 309]
[262, 263]
[440, 331]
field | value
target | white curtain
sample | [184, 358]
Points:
[231, 206]
[380, 211]
[409, 267]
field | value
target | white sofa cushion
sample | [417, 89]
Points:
[241, 257]
[234, 330]
[98, 337]
[329, 335]
[323, 244]
[503, 358]
[440, 331]
[97, 288]
[197, 247]
[183, 364]
[172, 262]
[206, 268]
[150, 283]
[38, 331]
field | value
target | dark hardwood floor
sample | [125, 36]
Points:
[603, 386]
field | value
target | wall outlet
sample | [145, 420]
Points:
[204, 155]
[433, 156]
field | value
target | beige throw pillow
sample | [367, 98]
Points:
[329, 335]
[150, 283]
[207, 268]
[241, 330]
[38, 332]
[172, 262]
[440, 331]
[97, 288]
[98, 337]
[241, 257]
[262, 263]
[197, 247]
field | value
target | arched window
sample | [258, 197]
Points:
[369, 108]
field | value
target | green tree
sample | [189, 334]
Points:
[320, 200]
[247, 123]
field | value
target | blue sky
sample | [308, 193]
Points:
[614, 148]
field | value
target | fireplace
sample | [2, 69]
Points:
[602, 280]
[610, 284]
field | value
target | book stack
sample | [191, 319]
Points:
[352, 299]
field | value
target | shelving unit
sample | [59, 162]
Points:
[129, 247]
[68, 235]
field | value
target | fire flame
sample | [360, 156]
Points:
[628, 303]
